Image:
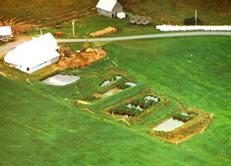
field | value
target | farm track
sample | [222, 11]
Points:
[5, 48]
[149, 36]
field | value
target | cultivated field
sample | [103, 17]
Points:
[168, 11]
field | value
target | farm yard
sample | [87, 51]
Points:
[90, 24]
[162, 101]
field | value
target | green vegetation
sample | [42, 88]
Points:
[124, 110]
[182, 117]
[133, 107]
[39, 126]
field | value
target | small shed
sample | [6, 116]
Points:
[109, 8]
[34, 55]
[5, 33]
[121, 15]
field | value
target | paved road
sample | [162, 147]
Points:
[151, 36]
[5, 48]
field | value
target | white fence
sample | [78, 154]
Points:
[168, 28]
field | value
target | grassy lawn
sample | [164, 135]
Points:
[40, 127]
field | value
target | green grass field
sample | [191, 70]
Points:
[39, 127]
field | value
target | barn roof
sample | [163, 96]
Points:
[107, 5]
[5, 31]
[34, 52]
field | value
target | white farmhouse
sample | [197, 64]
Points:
[109, 8]
[5, 33]
[34, 55]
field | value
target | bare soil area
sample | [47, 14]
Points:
[80, 59]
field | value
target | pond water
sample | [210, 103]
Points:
[169, 125]
[108, 82]
[131, 84]
[61, 80]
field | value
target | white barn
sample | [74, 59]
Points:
[5, 33]
[109, 8]
[34, 55]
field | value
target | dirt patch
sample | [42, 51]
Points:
[61, 80]
[80, 59]
[104, 32]
[108, 93]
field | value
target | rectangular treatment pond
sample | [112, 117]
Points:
[61, 80]
[168, 125]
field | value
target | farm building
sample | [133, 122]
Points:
[34, 55]
[109, 8]
[121, 15]
[5, 33]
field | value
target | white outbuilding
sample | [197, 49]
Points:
[121, 15]
[5, 33]
[34, 54]
[109, 8]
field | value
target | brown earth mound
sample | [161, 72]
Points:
[80, 59]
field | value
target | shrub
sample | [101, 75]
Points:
[149, 104]
[182, 117]
[90, 98]
[121, 84]
[125, 110]
[135, 102]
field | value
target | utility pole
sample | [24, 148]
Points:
[196, 17]
[73, 28]
[41, 31]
